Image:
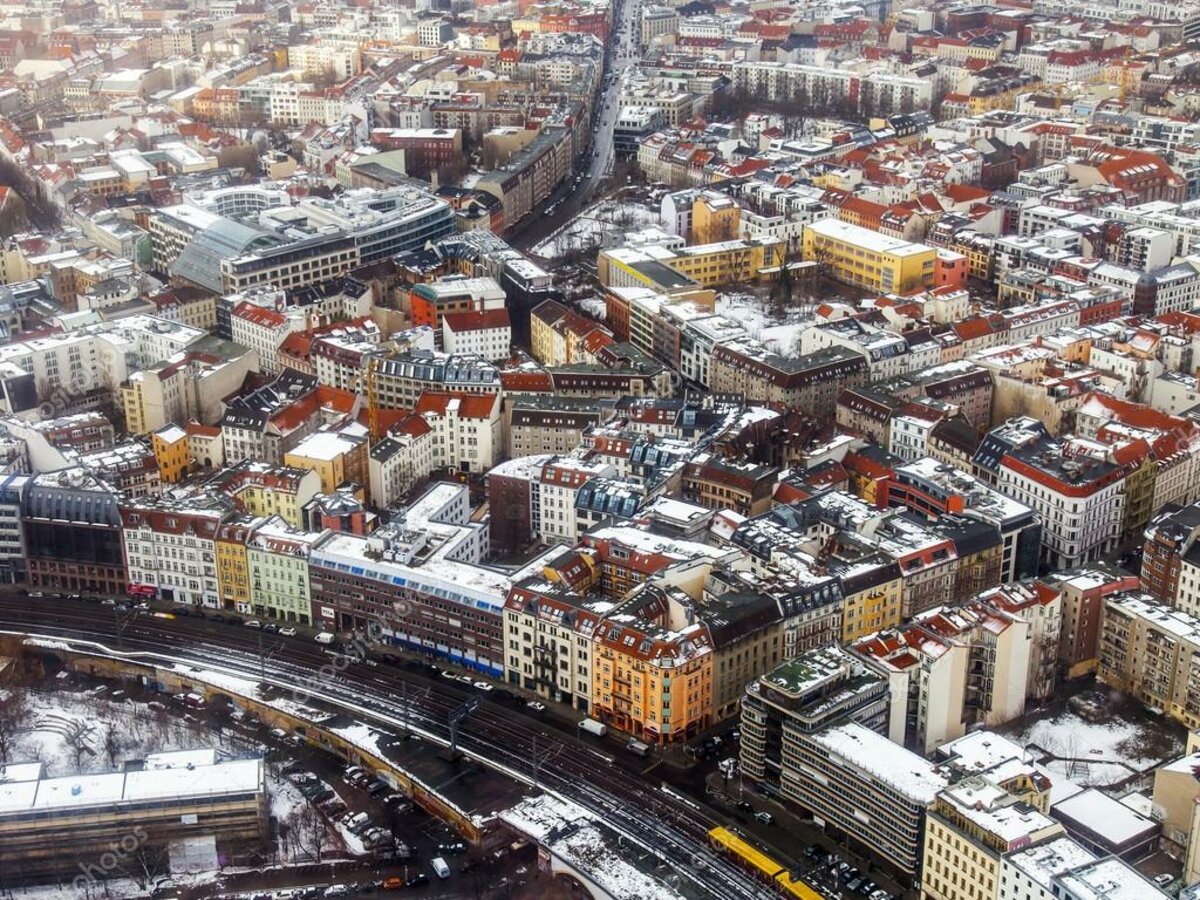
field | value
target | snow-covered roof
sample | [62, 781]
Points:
[111, 788]
[1101, 814]
[883, 760]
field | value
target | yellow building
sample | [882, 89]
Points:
[682, 270]
[329, 454]
[282, 491]
[133, 402]
[968, 830]
[170, 446]
[715, 217]
[652, 682]
[869, 259]
[233, 569]
[873, 606]
[263, 490]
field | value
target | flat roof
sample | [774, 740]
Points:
[867, 239]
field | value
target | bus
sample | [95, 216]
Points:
[141, 591]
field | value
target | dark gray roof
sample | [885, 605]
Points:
[200, 261]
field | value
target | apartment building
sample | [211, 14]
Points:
[171, 544]
[1150, 652]
[649, 679]
[562, 337]
[277, 568]
[184, 386]
[401, 378]
[719, 484]
[483, 333]
[811, 382]
[1083, 592]
[401, 461]
[950, 669]
[934, 489]
[549, 622]
[547, 424]
[466, 429]
[682, 269]
[417, 582]
[339, 457]
[262, 330]
[261, 489]
[868, 259]
[72, 525]
[812, 723]
[969, 829]
[1171, 559]
[232, 562]
[1077, 488]
[431, 301]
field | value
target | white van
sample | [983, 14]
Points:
[325, 637]
[439, 866]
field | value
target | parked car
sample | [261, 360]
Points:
[765, 817]
[252, 623]
[536, 706]
[418, 880]
[288, 632]
[483, 686]
[452, 847]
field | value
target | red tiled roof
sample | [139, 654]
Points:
[470, 406]
[477, 320]
[259, 315]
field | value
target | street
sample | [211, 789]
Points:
[569, 199]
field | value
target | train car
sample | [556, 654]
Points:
[761, 864]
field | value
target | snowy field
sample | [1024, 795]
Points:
[79, 732]
[598, 226]
[1099, 754]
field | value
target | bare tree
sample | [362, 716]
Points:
[112, 744]
[14, 721]
[78, 737]
[307, 830]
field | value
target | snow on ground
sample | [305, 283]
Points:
[600, 225]
[60, 720]
[1096, 754]
[746, 309]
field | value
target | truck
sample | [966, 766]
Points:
[591, 726]
[638, 748]
[325, 637]
[440, 867]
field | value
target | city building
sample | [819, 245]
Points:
[165, 798]
[868, 259]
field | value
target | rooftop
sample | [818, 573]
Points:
[901, 769]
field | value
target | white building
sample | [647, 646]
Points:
[486, 333]
[263, 330]
[467, 429]
[1078, 493]
[172, 545]
[401, 461]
